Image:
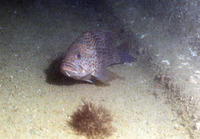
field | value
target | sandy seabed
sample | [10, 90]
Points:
[35, 103]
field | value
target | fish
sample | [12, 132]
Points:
[89, 56]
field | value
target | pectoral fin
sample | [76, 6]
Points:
[105, 76]
[87, 78]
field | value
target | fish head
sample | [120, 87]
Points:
[77, 62]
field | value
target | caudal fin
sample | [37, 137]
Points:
[124, 55]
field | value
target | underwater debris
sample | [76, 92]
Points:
[92, 121]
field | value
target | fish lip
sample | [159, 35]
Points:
[68, 65]
[68, 68]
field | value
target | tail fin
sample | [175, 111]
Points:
[123, 52]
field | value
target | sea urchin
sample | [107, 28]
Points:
[92, 121]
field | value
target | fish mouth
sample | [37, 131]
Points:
[68, 69]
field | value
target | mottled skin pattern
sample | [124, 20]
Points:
[91, 53]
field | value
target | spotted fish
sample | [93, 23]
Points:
[89, 56]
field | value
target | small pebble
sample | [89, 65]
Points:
[11, 77]
[176, 126]
[197, 125]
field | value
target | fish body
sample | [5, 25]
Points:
[89, 56]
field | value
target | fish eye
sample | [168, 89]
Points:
[78, 56]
